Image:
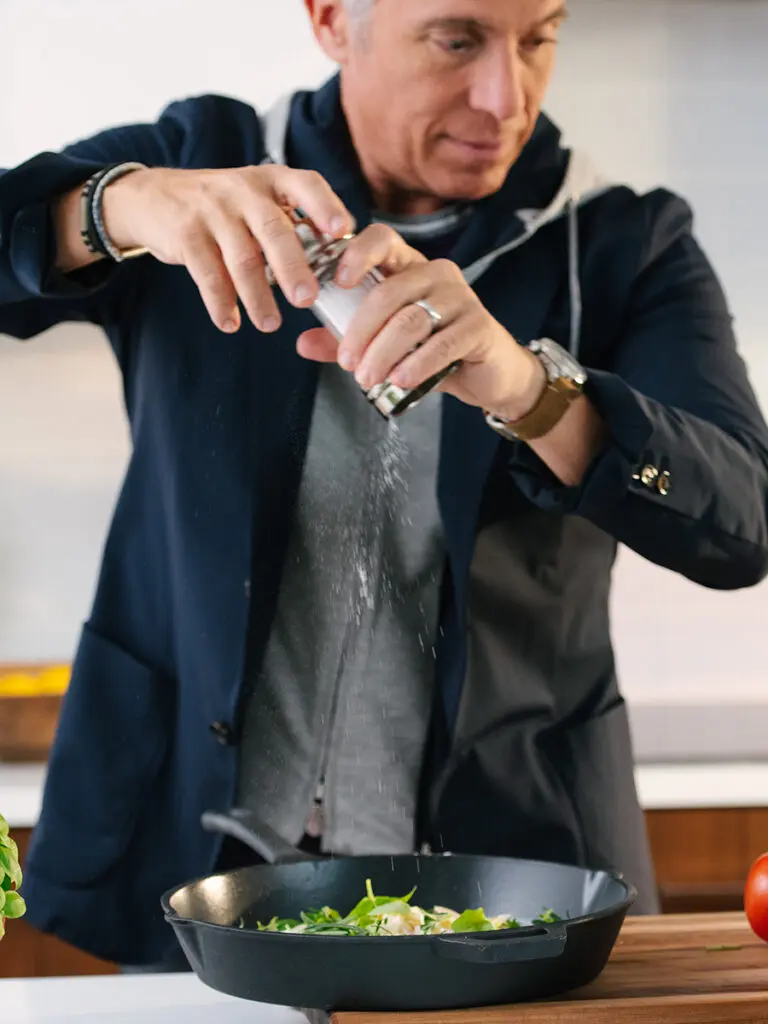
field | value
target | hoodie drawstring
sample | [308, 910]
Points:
[574, 277]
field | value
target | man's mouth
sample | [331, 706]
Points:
[479, 149]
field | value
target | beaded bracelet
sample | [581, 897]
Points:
[93, 232]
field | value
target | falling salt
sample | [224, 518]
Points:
[366, 592]
[384, 477]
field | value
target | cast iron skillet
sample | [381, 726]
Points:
[215, 921]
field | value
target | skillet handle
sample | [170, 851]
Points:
[246, 826]
[501, 948]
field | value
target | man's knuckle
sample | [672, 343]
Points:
[292, 264]
[212, 279]
[206, 185]
[313, 180]
[240, 177]
[273, 225]
[205, 268]
[211, 195]
[413, 320]
[192, 228]
[247, 261]
[379, 303]
[447, 268]
[382, 238]
[444, 343]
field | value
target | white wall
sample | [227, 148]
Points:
[661, 91]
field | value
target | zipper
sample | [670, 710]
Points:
[315, 824]
[316, 817]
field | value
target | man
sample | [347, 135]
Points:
[237, 650]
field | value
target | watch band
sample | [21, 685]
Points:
[545, 415]
[565, 380]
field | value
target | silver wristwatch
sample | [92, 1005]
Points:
[565, 380]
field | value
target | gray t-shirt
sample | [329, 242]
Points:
[345, 689]
[343, 700]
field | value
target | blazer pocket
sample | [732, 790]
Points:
[113, 735]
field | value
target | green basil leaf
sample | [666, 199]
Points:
[287, 923]
[9, 866]
[547, 917]
[472, 921]
[14, 905]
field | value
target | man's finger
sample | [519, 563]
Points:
[383, 302]
[245, 264]
[206, 267]
[377, 246]
[310, 192]
[318, 345]
[276, 234]
[439, 352]
[409, 330]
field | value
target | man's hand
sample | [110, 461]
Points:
[392, 338]
[223, 225]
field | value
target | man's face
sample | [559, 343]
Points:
[441, 95]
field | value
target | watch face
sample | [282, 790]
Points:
[559, 362]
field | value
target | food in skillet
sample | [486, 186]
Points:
[386, 915]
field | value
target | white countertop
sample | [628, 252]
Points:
[660, 786]
[686, 786]
[21, 793]
[129, 999]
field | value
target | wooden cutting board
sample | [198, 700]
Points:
[686, 969]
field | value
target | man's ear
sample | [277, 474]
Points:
[330, 25]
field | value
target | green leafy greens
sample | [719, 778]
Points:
[11, 903]
[389, 915]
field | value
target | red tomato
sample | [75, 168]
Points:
[756, 897]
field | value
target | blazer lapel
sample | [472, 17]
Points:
[518, 291]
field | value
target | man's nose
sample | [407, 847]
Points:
[497, 87]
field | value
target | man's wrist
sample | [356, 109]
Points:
[564, 378]
[116, 206]
[530, 395]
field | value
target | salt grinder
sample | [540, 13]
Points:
[336, 306]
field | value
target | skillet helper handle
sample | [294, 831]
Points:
[500, 948]
[248, 828]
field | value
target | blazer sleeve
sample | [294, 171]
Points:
[33, 294]
[684, 479]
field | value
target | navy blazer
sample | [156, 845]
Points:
[148, 737]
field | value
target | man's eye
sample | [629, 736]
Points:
[457, 44]
[536, 43]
